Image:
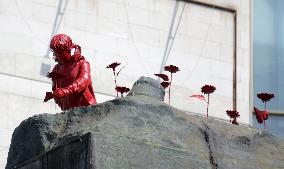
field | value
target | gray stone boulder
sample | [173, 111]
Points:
[140, 131]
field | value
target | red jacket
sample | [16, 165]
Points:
[75, 80]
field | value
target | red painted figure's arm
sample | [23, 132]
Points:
[81, 83]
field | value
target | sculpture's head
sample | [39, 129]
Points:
[61, 46]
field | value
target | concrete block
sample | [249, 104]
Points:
[39, 89]
[87, 6]
[194, 29]
[79, 20]
[243, 107]
[187, 44]
[247, 57]
[23, 65]
[11, 85]
[12, 8]
[211, 50]
[7, 63]
[53, 3]
[100, 42]
[244, 40]
[222, 18]
[107, 9]
[39, 47]
[197, 13]
[221, 35]
[112, 28]
[227, 53]
[127, 48]
[38, 107]
[141, 67]
[243, 22]
[222, 70]
[155, 54]
[225, 3]
[21, 42]
[165, 7]
[197, 80]
[4, 111]
[14, 24]
[134, 13]
[245, 7]
[204, 66]
[223, 88]
[185, 61]
[19, 107]
[6, 135]
[43, 13]
[145, 35]
[141, 4]
[3, 156]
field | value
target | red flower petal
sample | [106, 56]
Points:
[258, 115]
[113, 65]
[126, 89]
[122, 89]
[208, 89]
[165, 84]
[171, 68]
[163, 76]
[233, 113]
[201, 97]
[265, 97]
[265, 115]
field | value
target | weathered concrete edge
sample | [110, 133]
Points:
[74, 138]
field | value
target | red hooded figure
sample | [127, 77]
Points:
[71, 79]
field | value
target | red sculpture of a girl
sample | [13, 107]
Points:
[71, 79]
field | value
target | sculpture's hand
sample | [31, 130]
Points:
[59, 93]
[48, 96]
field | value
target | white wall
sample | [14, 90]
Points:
[133, 32]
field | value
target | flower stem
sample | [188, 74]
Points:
[169, 95]
[263, 119]
[207, 107]
[264, 124]
[170, 89]
[115, 83]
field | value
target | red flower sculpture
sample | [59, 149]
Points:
[261, 116]
[265, 97]
[207, 89]
[163, 76]
[122, 89]
[233, 115]
[199, 96]
[113, 65]
[165, 84]
[171, 68]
